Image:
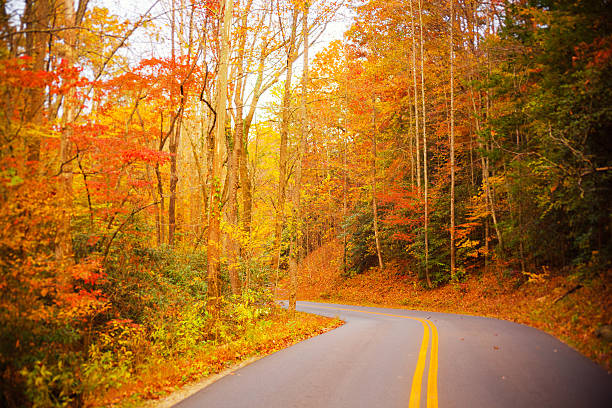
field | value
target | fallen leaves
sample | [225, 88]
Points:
[161, 377]
[573, 319]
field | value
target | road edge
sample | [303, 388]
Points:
[188, 390]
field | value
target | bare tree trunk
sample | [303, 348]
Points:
[232, 240]
[344, 200]
[214, 230]
[413, 149]
[160, 184]
[37, 19]
[485, 161]
[374, 205]
[173, 145]
[487, 186]
[282, 177]
[485, 183]
[173, 149]
[246, 188]
[296, 254]
[487, 248]
[425, 176]
[201, 179]
[416, 99]
[233, 246]
[63, 249]
[452, 145]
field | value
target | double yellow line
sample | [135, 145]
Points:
[432, 373]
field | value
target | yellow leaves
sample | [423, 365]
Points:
[478, 207]
[537, 278]
[103, 32]
[498, 182]
[469, 244]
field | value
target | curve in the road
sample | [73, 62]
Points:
[379, 358]
[417, 379]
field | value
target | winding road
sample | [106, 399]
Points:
[403, 358]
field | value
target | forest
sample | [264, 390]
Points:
[166, 169]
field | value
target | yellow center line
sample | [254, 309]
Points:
[415, 391]
[432, 376]
[432, 379]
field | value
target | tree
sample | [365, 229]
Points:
[296, 245]
[214, 227]
[452, 146]
[374, 205]
[291, 45]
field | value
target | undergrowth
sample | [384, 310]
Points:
[160, 375]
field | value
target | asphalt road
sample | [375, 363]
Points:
[402, 358]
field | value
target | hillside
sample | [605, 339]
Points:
[550, 301]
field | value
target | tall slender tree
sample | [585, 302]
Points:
[296, 247]
[452, 143]
[425, 156]
[214, 228]
[416, 97]
[284, 132]
[381, 265]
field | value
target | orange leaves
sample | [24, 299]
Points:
[37, 287]
[17, 73]
[144, 155]
[89, 272]
[403, 212]
[66, 77]
[208, 7]
[20, 82]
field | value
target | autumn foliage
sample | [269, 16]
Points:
[151, 202]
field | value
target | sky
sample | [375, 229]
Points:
[143, 46]
[133, 9]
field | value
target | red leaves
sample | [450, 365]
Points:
[88, 272]
[17, 72]
[144, 155]
[403, 212]
[208, 7]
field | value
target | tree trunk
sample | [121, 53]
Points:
[485, 183]
[296, 253]
[63, 247]
[160, 184]
[233, 246]
[173, 146]
[344, 190]
[452, 146]
[282, 176]
[201, 181]
[232, 238]
[485, 161]
[214, 230]
[37, 19]
[416, 99]
[425, 176]
[487, 186]
[374, 205]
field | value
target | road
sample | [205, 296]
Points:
[403, 358]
